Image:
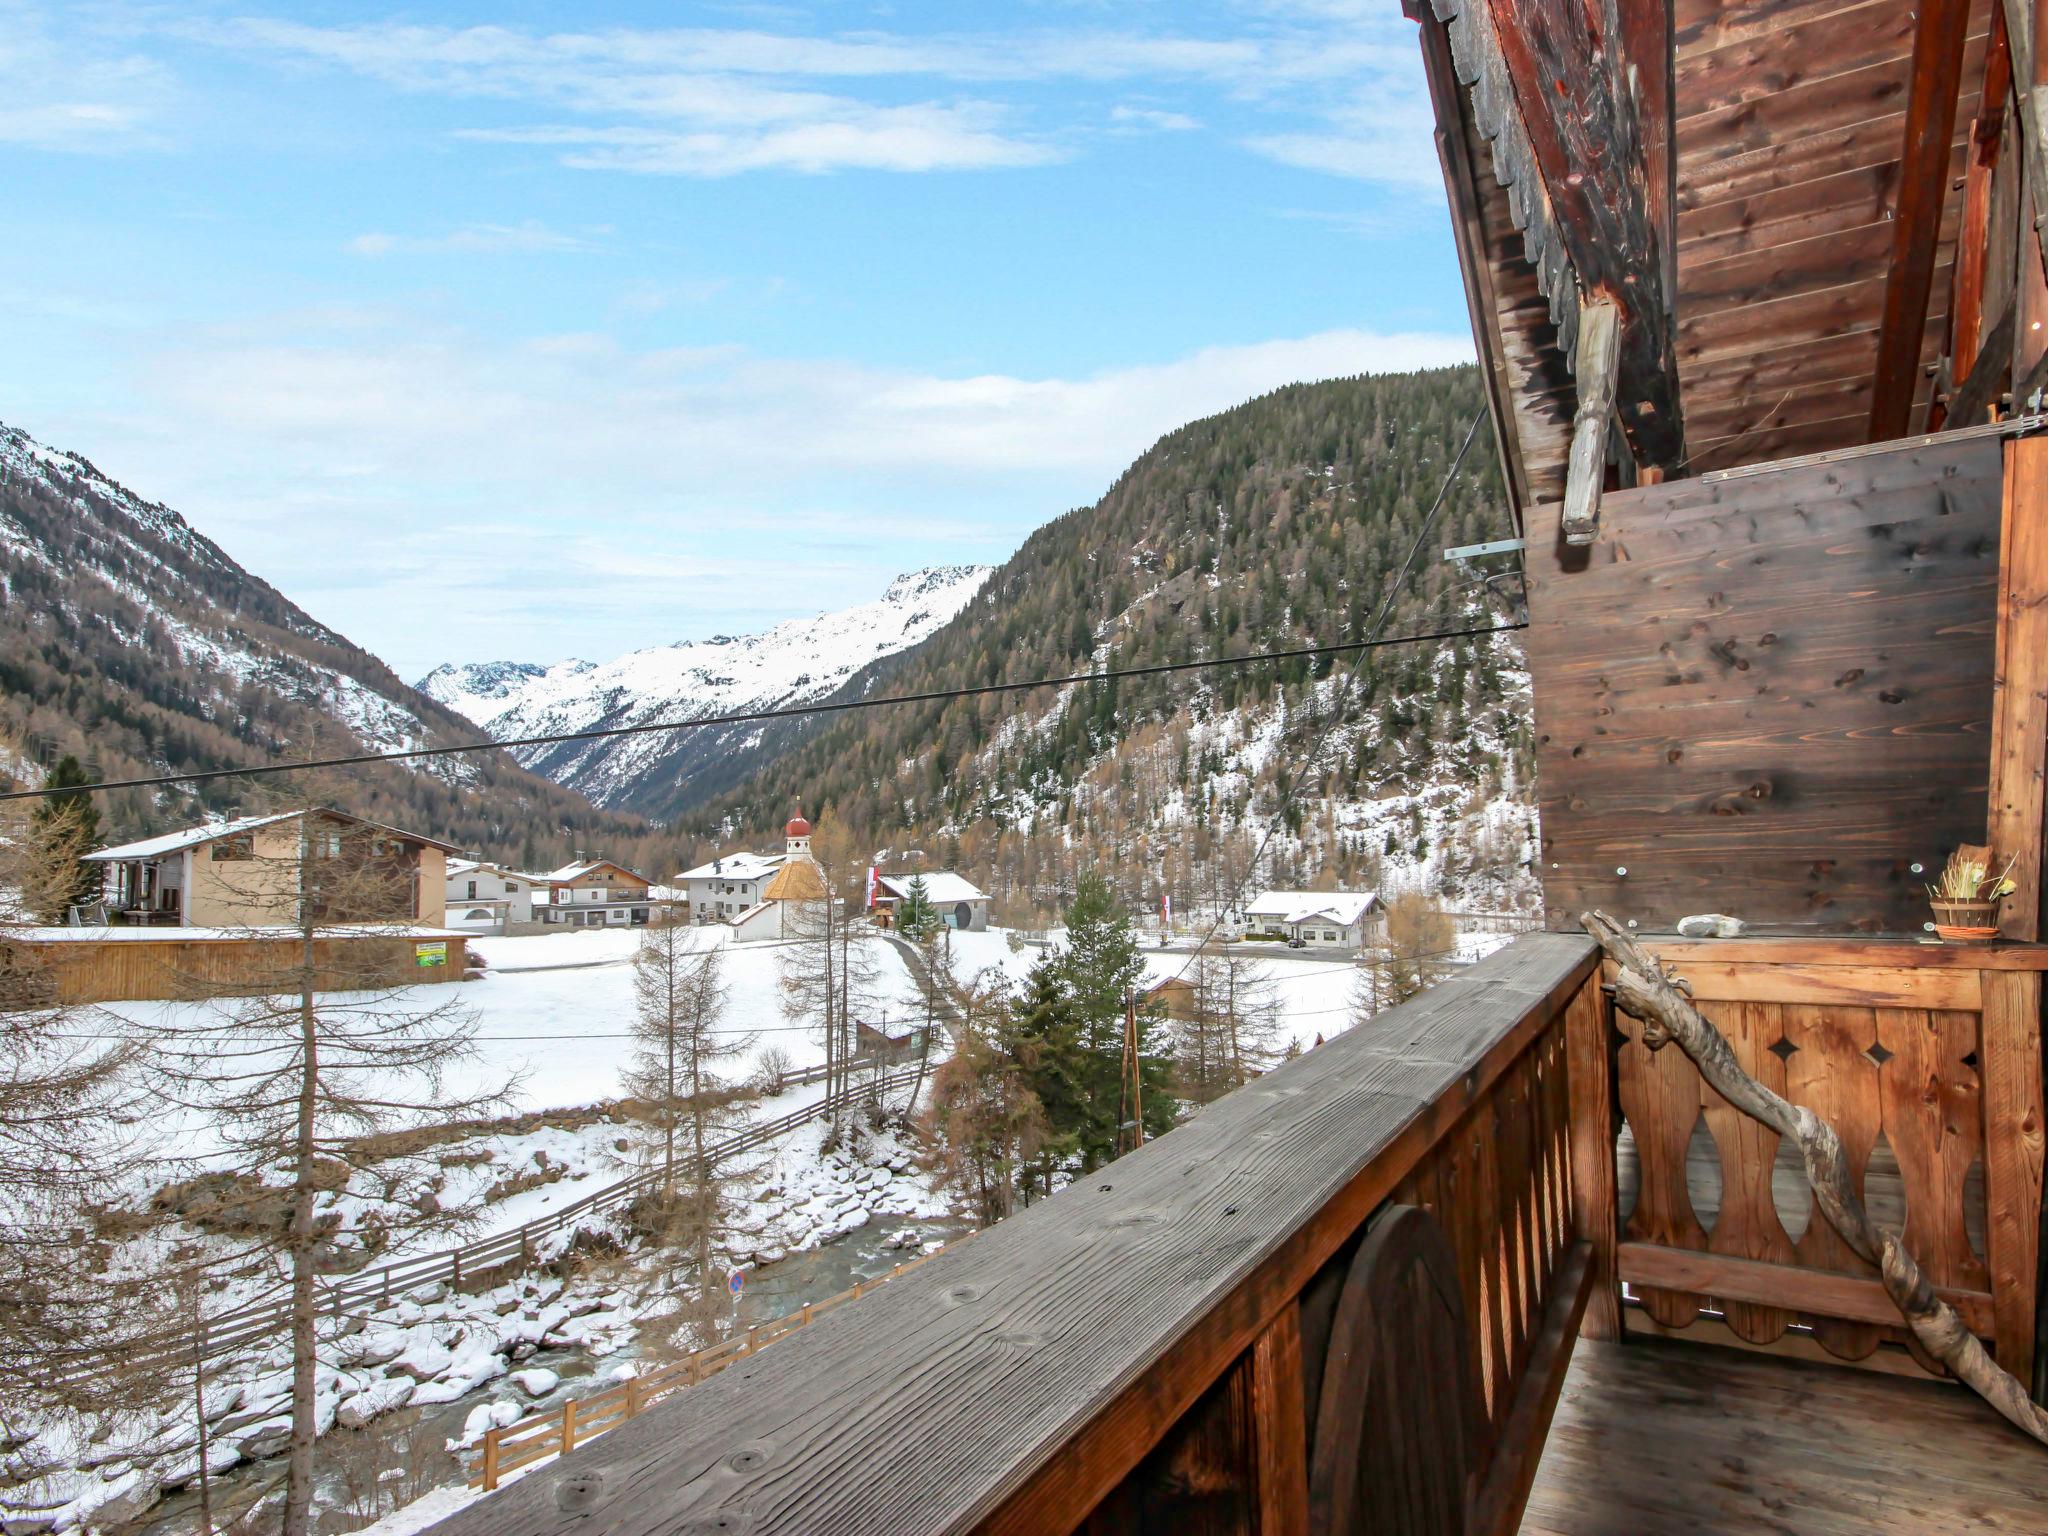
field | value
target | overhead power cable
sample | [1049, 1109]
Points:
[788, 712]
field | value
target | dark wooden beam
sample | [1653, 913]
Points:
[1938, 45]
[1569, 81]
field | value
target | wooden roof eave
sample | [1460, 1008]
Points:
[1603, 253]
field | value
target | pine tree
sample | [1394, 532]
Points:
[63, 828]
[915, 914]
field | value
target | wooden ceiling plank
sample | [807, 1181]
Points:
[1937, 77]
[1818, 106]
[1800, 53]
[1588, 145]
[1706, 26]
[1785, 215]
[1708, 180]
[1821, 261]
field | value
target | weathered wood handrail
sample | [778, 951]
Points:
[1159, 1334]
[509, 1447]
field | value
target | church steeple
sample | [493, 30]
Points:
[798, 835]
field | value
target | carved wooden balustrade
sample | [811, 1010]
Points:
[1342, 1298]
[1926, 1059]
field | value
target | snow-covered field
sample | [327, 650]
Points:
[555, 1012]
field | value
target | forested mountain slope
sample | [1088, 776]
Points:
[138, 644]
[1278, 524]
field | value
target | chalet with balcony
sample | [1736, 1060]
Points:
[1758, 293]
[597, 893]
[250, 873]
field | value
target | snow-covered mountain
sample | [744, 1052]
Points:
[135, 642]
[796, 661]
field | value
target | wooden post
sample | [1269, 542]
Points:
[1279, 1431]
[2019, 708]
[2013, 1147]
[490, 1460]
[569, 1426]
[1599, 358]
[632, 1397]
[455, 1270]
[1590, 1067]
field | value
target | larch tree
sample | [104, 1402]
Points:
[1232, 1018]
[984, 1127]
[62, 829]
[299, 1076]
[73, 1134]
[1414, 955]
[680, 1047]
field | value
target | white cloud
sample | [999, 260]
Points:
[73, 96]
[711, 102]
[474, 240]
[849, 137]
[538, 465]
[1138, 118]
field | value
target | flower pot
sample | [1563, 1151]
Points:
[1966, 922]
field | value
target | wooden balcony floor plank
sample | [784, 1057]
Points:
[1671, 1439]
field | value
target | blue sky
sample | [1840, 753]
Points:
[533, 331]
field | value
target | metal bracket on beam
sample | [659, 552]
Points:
[1496, 547]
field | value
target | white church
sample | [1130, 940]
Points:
[763, 897]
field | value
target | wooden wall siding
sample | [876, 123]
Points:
[1791, 125]
[1885, 1072]
[1769, 693]
[130, 969]
[1156, 1348]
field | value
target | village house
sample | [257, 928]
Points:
[594, 893]
[219, 908]
[1345, 920]
[246, 873]
[489, 897]
[956, 901]
[728, 885]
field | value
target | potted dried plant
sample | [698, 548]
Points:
[1965, 899]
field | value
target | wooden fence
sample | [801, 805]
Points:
[580, 1419]
[164, 967]
[512, 1250]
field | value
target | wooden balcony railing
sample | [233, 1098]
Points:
[1341, 1298]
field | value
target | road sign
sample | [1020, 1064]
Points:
[736, 1282]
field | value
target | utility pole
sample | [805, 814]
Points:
[1131, 1108]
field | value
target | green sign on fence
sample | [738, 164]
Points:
[434, 953]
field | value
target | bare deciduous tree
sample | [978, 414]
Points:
[1232, 1017]
[680, 991]
[70, 1135]
[331, 1042]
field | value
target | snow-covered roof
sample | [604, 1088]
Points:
[584, 867]
[213, 831]
[941, 887]
[191, 837]
[1340, 907]
[736, 866]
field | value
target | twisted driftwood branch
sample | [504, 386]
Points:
[1644, 991]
